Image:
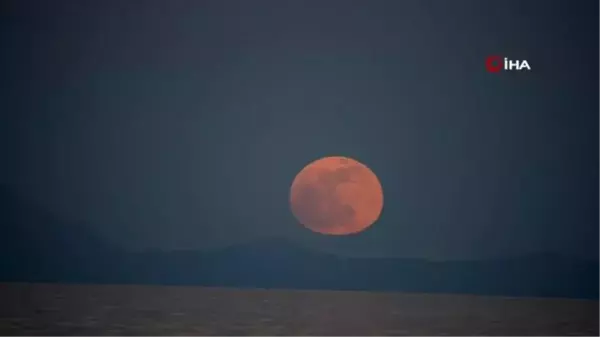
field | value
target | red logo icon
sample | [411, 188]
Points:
[494, 64]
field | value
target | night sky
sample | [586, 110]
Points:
[181, 124]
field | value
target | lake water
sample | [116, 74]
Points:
[44, 309]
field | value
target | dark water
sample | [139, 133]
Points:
[29, 309]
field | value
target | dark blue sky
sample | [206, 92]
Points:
[181, 124]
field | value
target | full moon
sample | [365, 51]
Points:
[336, 196]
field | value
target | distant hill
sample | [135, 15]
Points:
[284, 264]
[36, 246]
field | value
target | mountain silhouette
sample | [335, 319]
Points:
[38, 246]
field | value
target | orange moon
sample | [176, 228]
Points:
[336, 196]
